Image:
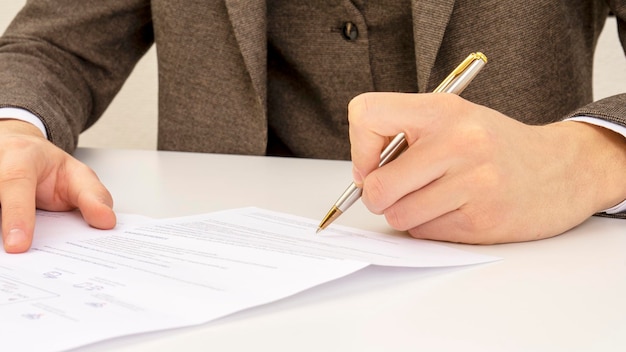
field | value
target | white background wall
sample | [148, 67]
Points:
[130, 121]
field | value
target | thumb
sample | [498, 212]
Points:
[96, 208]
[89, 195]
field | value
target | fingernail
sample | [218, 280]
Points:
[15, 238]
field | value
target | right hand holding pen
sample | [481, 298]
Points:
[34, 173]
[474, 175]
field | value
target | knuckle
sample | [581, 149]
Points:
[448, 100]
[15, 150]
[487, 177]
[474, 138]
[477, 134]
[442, 104]
[478, 220]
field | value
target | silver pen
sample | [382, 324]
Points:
[455, 83]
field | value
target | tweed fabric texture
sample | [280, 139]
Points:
[64, 60]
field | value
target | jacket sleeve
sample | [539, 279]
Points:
[64, 60]
[612, 108]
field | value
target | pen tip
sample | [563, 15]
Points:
[329, 218]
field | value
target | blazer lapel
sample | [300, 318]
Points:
[248, 18]
[430, 18]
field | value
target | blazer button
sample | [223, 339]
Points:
[350, 31]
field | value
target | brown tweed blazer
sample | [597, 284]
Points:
[64, 60]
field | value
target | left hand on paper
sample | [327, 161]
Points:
[36, 174]
[474, 175]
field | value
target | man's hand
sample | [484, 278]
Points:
[473, 175]
[36, 174]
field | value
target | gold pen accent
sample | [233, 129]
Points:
[455, 83]
[332, 214]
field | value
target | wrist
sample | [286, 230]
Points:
[600, 162]
[10, 126]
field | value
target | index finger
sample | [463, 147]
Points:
[17, 201]
[376, 117]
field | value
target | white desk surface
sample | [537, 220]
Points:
[567, 293]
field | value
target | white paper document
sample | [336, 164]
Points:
[78, 285]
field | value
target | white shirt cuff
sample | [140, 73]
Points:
[621, 207]
[23, 115]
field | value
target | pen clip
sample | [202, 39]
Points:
[458, 71]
